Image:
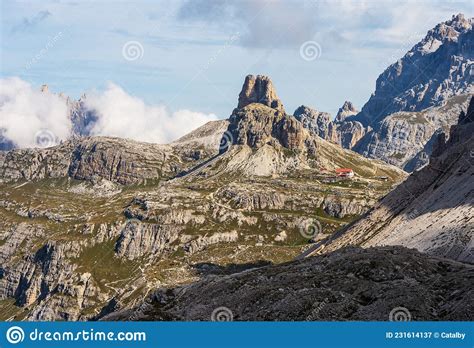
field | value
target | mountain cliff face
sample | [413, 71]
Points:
[434, 70]
[418, 96]
[117, 160]
[318, 123]
[341, 132]
[432, 210]
[405, 139]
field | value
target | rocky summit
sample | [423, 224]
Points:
[417, 97]
[260, 119]
[259, 89]
[346, 110]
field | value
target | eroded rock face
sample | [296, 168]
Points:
[405, 139]
[117, 160]
[251, 198]
[345, 133]
[202, 242]
[259, 89]
[350, 132]
[340, 208]
[260, 119]
[139, 239]
[32, 164]
[317, 122]
[410, 103]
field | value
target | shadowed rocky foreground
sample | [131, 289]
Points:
[379, 283]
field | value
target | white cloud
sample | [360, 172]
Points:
[29, 117]
[122, 115]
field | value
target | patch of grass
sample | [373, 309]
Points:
[8, 309]
[101, 262]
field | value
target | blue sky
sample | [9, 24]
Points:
[196, 53]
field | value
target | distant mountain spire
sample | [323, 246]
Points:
[348, 109]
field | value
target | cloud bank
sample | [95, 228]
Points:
[31, 118]
[122, 115]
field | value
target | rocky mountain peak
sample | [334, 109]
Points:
[260, 118]
[446, 55]
[259, 89]
[317, 122]
[448, 31]
[346, 110]
[419, 96]
[458, 22]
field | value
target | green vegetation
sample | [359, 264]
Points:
[397, 155]
[101, 262]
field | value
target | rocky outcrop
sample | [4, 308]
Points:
[351, 284]
[347, 109]
[251, 198]
[259, 89]
[203, 242]
[349, 133]
[257, 125]
[117, 160]
[339, 131]
[34, 279]
[260, 120]
[342, 207]
[46, 282]
[34, 164]
[139, 239]
[319, 123]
